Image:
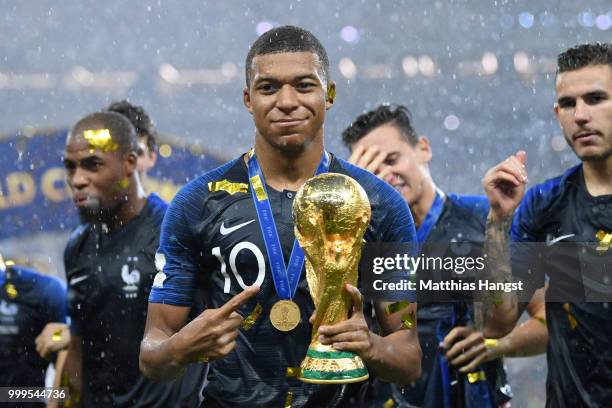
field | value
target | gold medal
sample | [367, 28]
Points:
[285, 315]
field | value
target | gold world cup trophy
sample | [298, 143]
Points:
[331, 212]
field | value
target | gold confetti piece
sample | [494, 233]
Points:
[331, 93]
[572, 320]
[541, 320]
[57, 336]
[396, 307]
[490, 343]
[123, 184]
[605, 240]
[260, 191]
[289, 400]
[10, 263]
[11, 291]
[408, 321]
[251, 319]
[100, 139]
[228, 187]
[389, 403]
[496, 299]
[476, 376]
[293, 371]
[203, 359]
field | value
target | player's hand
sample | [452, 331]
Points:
[53, 338]
[372, 159]
[465, 349]
[505, 185]
[352, 334]
[213, 333]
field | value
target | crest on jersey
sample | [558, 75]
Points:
[131, 279]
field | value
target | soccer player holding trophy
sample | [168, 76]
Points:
[230, 235]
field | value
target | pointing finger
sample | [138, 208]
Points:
[234, 303]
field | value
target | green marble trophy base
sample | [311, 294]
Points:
[325, 365]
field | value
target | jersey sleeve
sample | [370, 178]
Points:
[393, 225]
[398, 225]
[175, 281]
[74, 296]
[524, 251]
[57, 300]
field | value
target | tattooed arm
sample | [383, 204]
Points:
[496, 312]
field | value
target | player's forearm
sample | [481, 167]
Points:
[72, 372]
[395, 358]
[496, 312]
[160, 356]
[527, 339]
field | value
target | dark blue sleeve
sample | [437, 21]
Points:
[523, 224]
[74, 319]
[524, 249]
[398, 225]
[477, 205]
[48, 293]
[57, 300]
[175, 281]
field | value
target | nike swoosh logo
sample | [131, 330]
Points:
[225, 231]
[78, 279]
[551, 241]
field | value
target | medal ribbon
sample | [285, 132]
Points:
[476, 394]
[431, 218]
[422, 233]
[285, 278]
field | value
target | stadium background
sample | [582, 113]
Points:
[477, 75]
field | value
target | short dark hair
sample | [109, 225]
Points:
[584, 55]
[287, 39]
[139, 118]
[398, 116]
[121, 129]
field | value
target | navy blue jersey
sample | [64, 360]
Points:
[28, 301]
[110, 274]
[211, 241]
[562, 214]
[458, 232]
